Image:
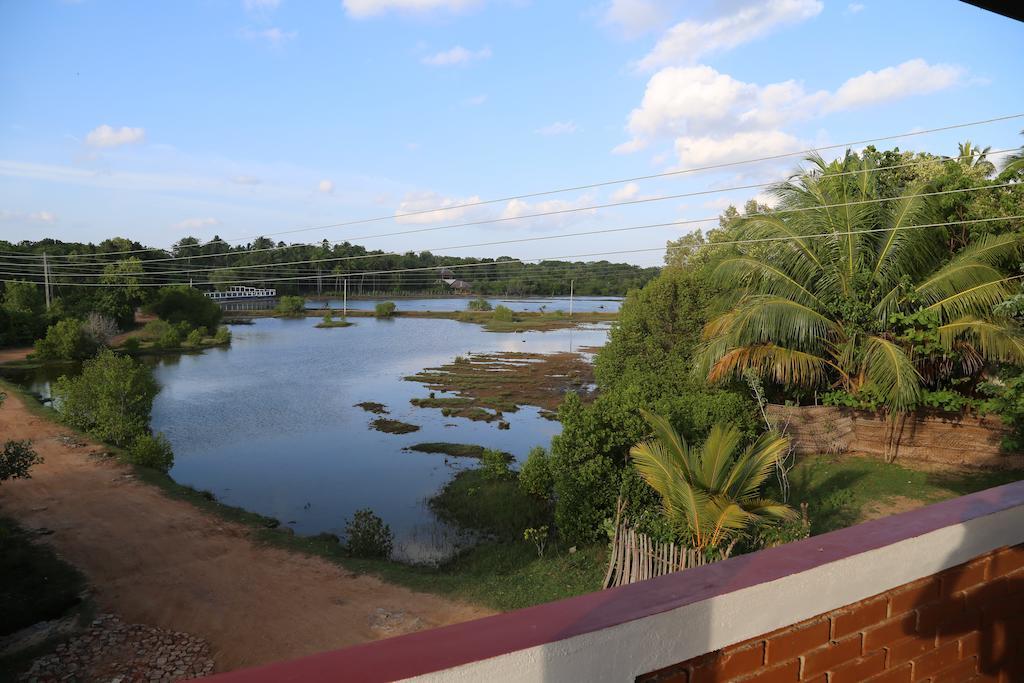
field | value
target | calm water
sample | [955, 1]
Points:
[269, 423]
[580, 304]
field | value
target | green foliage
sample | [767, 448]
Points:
[503, 314]
[131, 344]
[384, 309]
[535, 476]
[111, 398]
[538, 536]
[65, 340]
[291, 306]
[1006, 399]
[171, 338]
[480, 304]
[152, 451]
[194, 338]
[181, 304]
[16, 459]
[494, 465]
[223, 335]
[475, 500]
[368, 536]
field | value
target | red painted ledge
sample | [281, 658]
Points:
[452, 646]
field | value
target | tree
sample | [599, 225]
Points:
[111, 399]
[16, 459]
[66, 340]
[291, 306]
[123, 295]
[185, 304]
[709, 494]
[828, 306]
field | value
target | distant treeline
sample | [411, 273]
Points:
[306, 269]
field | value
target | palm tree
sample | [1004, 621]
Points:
[1013, 165]
[709, 494]
[818, 308]
[971, 156]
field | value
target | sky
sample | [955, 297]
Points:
[239, 118]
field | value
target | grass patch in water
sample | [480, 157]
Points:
[474, 500]
[383, 424]
[457, 450]
[334, 323]
[372, 407]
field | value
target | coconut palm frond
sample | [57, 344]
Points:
[993, 340]
[717, 455]
[789, 367]
[887, 367]
[773, 279]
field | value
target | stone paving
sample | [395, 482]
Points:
[115, 652]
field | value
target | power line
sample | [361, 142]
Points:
[692, 221]
[599, 184]
[606, 253]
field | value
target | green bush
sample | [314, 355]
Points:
[16, 459]
[535, 476]
[480, 304]
[154, 329]
[153, 451]
[111, 399]
[291, 306]
[473, 500]
[66, 340]
[194, 338]
[131, 344]
[368, 536]
[503, 314]
[494, 465]
[223, 335]
[385, 309]
[184, 304]
[170, 339]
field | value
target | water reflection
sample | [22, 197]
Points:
[269, 424]
[549, 304]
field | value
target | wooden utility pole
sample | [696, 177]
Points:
[571, 284]
[344, 301]
[46, 280]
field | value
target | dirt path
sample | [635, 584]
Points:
[158, 561]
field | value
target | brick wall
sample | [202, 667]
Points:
[963, 624]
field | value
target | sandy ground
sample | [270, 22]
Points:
[162, 562]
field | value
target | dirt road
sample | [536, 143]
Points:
[162, 562]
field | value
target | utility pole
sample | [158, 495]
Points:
[571, 283]
[344, 304]
[319, 283]
[46, 280]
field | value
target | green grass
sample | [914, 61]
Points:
[372, 407]
[473, 500]
[844, 490]
[456, 450]
[334, 323]
[383, 424]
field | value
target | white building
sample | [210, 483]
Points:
[237, 292]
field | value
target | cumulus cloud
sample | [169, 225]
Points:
[635, 17]
[701, 108]
[196, 223]
[273, 35]
[456, 56]
[626, 192]
[363, 9]
[325, 186]
[687, 41]
[562, 212]
[854, 8]
[108, 136]
[558, 128]
[46, 217]
[430, 207]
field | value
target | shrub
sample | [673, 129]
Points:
[100, 329]
[504, 314]
[328, 318]
[291, 306]
[385, 309]
[16, 459]
[538, 536]
[131, 344]
[535, 476]
[170, 339]
[194, 338]
[223, 335]
[153, 451]
[65, 340]
[185, 304]
[154, 329]
[480, 304]
[111, 399]
[368, 536]
[495, 465]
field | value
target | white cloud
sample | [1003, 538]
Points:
[273, 35]
[475, 101]
[739, 146]
[438, 209]
[685, 42]
[626, 192]
[456, 56]
[558, 128]
[107, 136]
[196, 223]
[363, 9]
[702, 108]
[854, 8]
[914, 77]
[635, 17]
[325, 186]
[572, 212]
[47, 217]
[259, 5]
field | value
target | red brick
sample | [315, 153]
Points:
[964, 576]
[958, 673]
[797, 641]
[673, 674]
[930, 616]
[784, 673]
[831, 656]
[970, 645]
[905, 650]
[1007, 561]
[932, 662]
[990, 594]
[865, 614]
[856, 671]
[729, 663]
[913, 595]
[901, 674]
[960, 625]
[889, 632]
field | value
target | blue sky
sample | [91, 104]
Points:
[245, 117]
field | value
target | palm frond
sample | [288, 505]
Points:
[887, 367]
[995, 340]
